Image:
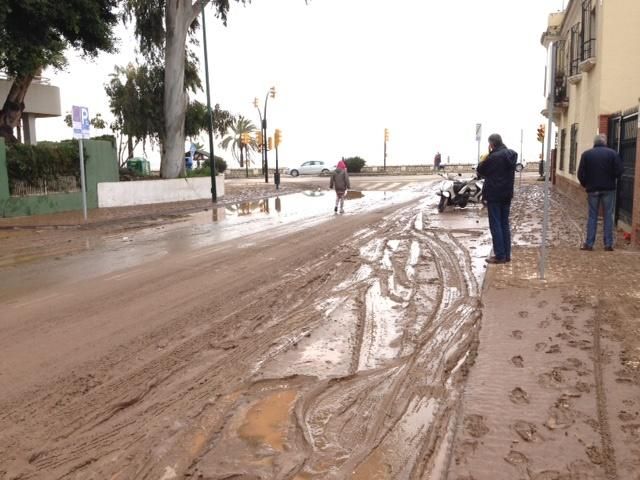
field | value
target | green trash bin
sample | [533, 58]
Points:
[139, 165]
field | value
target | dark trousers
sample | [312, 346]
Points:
[500, 229]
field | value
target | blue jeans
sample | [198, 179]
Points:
[607, 200]
[500, 229]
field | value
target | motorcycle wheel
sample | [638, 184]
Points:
[442, 204]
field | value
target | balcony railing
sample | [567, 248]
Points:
[589, 49]
[561, 96]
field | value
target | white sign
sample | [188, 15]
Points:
[478, 131]
[81, 123]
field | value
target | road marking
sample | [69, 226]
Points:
[393, 186]
[374, 186]
[41, 299]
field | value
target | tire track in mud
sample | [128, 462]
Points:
[387, 416]
[102, 418]
[608, 452]
[386, 347]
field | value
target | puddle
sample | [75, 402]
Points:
[325, 350]
[267, 421]
[191, 233]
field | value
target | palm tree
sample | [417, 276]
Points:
[238, 127]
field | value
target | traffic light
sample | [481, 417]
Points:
[270, 144]
[386, 134]
[541, 133]
[277, 137]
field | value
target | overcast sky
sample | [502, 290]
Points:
[347, 69]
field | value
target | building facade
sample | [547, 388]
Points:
[42, 101]
[597, 90]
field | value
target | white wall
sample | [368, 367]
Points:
[122, 194]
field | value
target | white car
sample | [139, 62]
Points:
[313, 167]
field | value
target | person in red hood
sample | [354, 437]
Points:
[340, 182]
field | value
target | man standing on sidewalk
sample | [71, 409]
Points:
[599, 170]
[499, 171]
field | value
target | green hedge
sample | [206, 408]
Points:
[354, 164]
[205, 170]
[46, 161]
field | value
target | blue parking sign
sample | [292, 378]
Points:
[81, 122]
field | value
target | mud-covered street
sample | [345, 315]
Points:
[369, 345]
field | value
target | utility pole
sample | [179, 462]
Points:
[212, 161]
[550, 106]
[386, 139]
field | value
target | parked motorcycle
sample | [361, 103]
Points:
[454, 190]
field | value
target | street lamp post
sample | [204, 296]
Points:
[386, 139]
[263, 122]
[212, 162]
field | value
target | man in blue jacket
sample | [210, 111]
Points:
[600, 169]
[499, 171]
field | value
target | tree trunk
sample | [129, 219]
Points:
[179, 16]
[13, 107]
[129, 146]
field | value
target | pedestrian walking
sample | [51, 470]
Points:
[340, 183]
[499, 170]
[437, 161]
[599, 170]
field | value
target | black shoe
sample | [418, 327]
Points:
[496, 260]
[586, 247]
[335, 209]
[608, 249]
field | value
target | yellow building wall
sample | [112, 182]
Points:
[619, 55]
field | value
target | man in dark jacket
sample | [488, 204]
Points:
[499, 170]
[600, 169]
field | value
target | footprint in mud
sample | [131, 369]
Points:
[553, 349]
[527, 431]
[627, 416]
[544, 324]
[517, 334]
[583, 387]
[519, 396]
[523, 314]
[632, 430]
[595, 455]
[540, 346]
[543, 304]
[475, 426]
[516, 458]
[560, 415]
[551, 379]
[573, 363]
[466, 449]
[518, 361]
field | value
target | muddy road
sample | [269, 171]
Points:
[334, 351]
